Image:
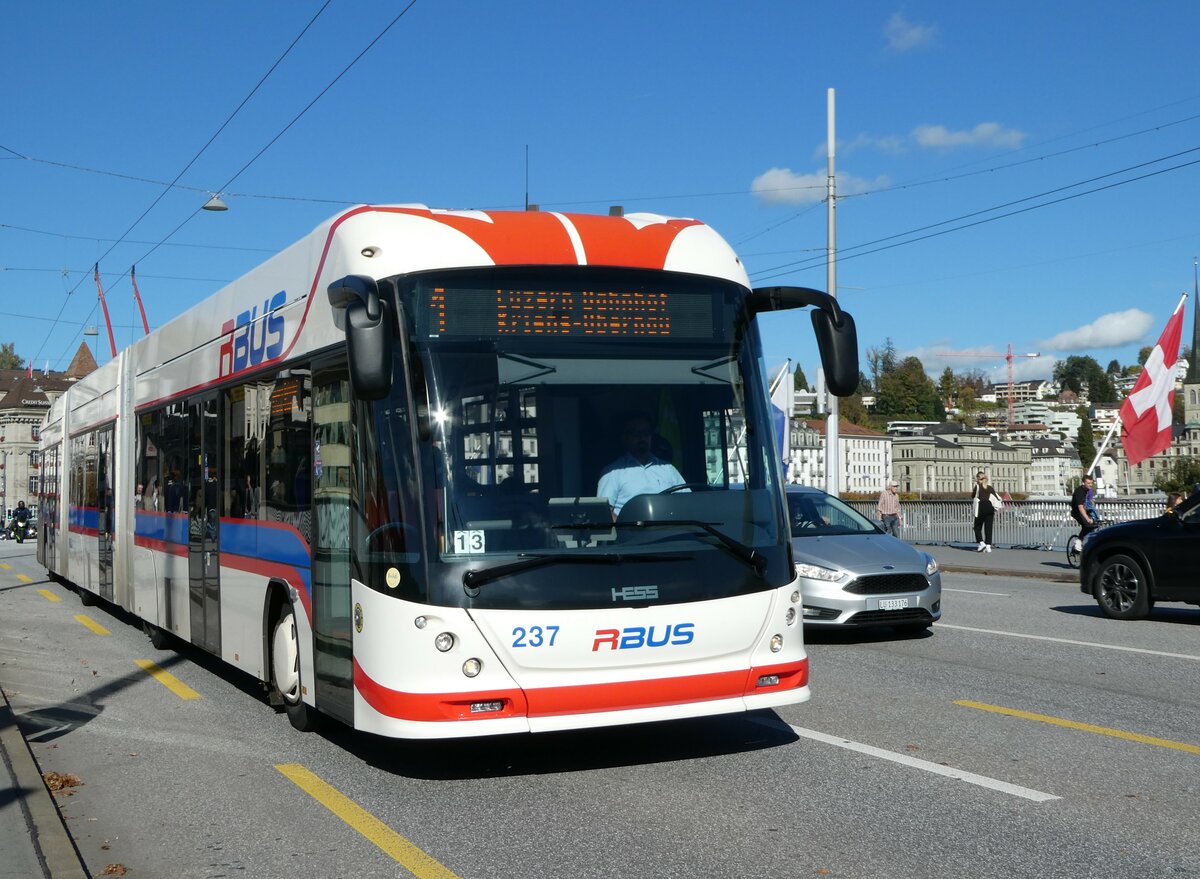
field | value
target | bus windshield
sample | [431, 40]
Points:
[599, 422]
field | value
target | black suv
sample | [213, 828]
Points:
[1128, 567]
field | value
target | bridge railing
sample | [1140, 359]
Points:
[1021, 524]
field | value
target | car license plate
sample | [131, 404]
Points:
[893, 603]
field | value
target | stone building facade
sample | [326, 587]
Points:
[24, 401]
[945, 459]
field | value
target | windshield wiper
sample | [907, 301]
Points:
[477, 577]
[736, 548]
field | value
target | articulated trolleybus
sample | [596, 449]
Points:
[369, 474]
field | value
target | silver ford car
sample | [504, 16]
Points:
[852, 574]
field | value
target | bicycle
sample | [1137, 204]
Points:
[1075, 542]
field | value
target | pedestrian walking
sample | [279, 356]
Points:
[888, 509]
[984, 503]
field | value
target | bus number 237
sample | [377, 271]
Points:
[534, 636]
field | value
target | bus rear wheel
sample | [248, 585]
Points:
[285, 672]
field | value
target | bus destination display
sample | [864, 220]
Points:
[498, 313]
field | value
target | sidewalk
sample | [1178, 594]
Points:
[33, 839]
[1042, 564]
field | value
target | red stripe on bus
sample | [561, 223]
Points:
[582, 699]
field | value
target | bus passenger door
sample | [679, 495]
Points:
[204, 523]
[105, 514]
[331, 481]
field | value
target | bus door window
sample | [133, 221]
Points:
[331, 501]
[288, 452]
[387, 518]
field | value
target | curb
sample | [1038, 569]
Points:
[55, 848]
[1054, 576]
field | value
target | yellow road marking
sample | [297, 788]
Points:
[1085, 727]
[400, 849]
[6, 567]
[24, 579]
[91, 624]
[168, 680]
[48, 595]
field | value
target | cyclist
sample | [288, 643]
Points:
[1082, 509]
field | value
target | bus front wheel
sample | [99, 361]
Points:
[285, 672]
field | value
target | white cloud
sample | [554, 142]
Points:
[985, 134]
[902, 35]
[991, 362]
[785, 186]
[1106, 331]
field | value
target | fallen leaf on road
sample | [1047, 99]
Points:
[60, 780]
[115, 870]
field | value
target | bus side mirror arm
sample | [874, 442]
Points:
[837, 337]
[368, 334]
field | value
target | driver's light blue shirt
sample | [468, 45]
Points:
[627, 477]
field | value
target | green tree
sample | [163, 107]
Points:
[1086, 443]
[801, 381]
[907, 392]
[1114, 368]
[852, 409]
[9, 359]
[881, 361]
[1076, 371]
[1183, 474]
[948, 387]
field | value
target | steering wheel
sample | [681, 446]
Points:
[687, 486]
[403, 528]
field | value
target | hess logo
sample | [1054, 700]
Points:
[633, 637]
[252, 339]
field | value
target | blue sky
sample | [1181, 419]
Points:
[948, 115]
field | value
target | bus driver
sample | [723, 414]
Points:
[638, 471]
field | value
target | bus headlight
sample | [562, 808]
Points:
[472, 667]
[790, 616]
[420, 622]
[776, 643]
[444, 642]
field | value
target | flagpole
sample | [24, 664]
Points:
[1104, 445]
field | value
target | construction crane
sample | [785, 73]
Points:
[986, 355]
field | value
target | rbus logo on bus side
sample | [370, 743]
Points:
[251, 339]
[633, 637]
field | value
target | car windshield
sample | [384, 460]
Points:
[815, 514]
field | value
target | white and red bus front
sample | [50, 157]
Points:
[566, 510]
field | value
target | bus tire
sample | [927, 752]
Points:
[285, 672]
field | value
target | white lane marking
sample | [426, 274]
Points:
[936, 768]
[1069, 641]
[976, 592]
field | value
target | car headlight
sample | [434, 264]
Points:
[816, 572]
[931, 565]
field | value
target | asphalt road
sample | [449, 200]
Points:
[1025, 736]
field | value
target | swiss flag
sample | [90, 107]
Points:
[1146, 412]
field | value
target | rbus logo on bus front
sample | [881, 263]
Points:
[251, 338]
